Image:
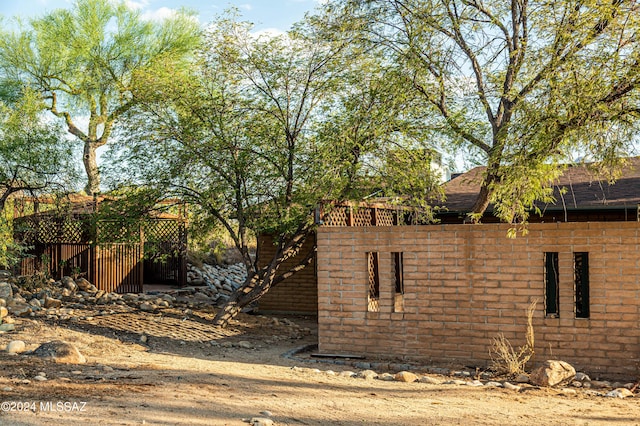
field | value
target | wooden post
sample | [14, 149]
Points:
[140, 265]
[184, 237]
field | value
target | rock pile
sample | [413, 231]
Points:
[6, 296]
[208, 286]
[224, 280]
[61, 300]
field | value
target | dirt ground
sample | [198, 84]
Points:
[190, 373]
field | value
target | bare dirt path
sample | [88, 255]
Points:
[190, 373]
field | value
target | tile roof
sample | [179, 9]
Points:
[584, 188]
[85, 205]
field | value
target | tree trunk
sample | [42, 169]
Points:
[253, 289]
[482, 201]
[3, 201]
[259, 283]
[91, 168]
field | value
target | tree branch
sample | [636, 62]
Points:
[73, 129]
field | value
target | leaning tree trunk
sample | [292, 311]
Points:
[254, 287]
[259, 283]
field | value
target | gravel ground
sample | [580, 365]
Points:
[174, 368]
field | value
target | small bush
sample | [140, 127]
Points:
[197, 258]
[507, 360]
[11, 251]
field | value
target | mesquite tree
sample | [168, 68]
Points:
[259, 131]
[521, 84]
[83, 62]
[34, 157]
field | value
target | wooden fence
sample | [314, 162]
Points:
[66, 246]
[365, 215]
[57, 260]
[119, 268]
[110, 267]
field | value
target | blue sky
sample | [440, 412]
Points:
[265, 14]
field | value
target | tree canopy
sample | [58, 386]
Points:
[254, 132]
[263, 129]
[521, 85]
[35, 156]
[83, 62]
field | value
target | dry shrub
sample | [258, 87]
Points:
[507, 360]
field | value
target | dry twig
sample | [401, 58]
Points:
[507, 360]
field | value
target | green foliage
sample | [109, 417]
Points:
[83, 63]
[10, 251]
[519, 188]
[408, 176]
[34, 157]
[262, 129]
[523, 85]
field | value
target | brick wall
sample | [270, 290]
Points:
[297, 294]
[464, 284]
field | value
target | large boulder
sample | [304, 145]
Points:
[83, 284]
[60, 352]
[405, 376]
[20, 309]
[69, 284]
[552, 373]
[16, 347]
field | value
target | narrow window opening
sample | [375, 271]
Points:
[552, 290]
[398, 274]
[374, 282]
[581, 278]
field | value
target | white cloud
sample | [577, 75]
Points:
[159, 14]
[137, 5]
[268, 33]
[245, 6]
[131, 4]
